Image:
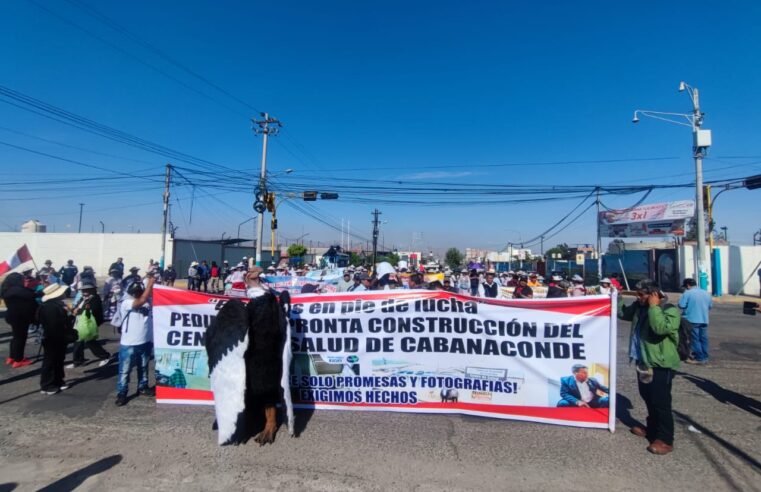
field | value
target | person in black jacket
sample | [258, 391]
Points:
[22, 306]
[56, 327]
[89, 305]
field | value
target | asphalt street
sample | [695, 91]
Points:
[80, 439]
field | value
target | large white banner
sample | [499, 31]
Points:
[654, 220]
[546, 360]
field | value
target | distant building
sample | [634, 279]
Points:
[33, 226]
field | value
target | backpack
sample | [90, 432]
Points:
[684, 343]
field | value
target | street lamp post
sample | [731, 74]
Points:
[701, 142]
[244, 222]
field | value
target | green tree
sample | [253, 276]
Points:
[355, 259]
[453, 258]
[392, 258]
[297, 250]
[561, 249]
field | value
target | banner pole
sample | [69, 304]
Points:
[613, 369]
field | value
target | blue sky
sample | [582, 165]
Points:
[423, 91]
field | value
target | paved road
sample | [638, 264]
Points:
[80, 438]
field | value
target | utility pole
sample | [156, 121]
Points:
[599, 239]
[265, 129]
[167, 182]
[699, 148]
[81, 206]
[376, 222]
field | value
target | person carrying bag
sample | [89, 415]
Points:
[89, 316]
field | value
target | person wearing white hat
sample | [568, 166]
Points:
[578, 288]
[56, 327]
[194, 276]
[555, 289]
[605, 286]
[236, 281]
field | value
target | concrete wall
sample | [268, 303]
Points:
[95, 250]
[738, 263]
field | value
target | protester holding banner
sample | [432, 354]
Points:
[22, 305]
[523, 291]
[489, 288]
[653, 346]
[135, 343]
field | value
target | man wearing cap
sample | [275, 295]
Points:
[135, 342]
[169, 276]
[48, 268]
[56, 325]
[448, 285]
[555, 288]
[345, 283]
[695, 304]
[118, 265]
[112, 293]
[90, 304]
[131, 278]
[364, 283]
[489, 288]
[194, 276]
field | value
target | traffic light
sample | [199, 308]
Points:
[274, 224]
[329, 196]
[753, 183]
[310, 196]
[271, 201]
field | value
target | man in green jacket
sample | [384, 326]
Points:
[653, 347]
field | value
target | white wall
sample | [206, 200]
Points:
[737, 264]
[95, 250]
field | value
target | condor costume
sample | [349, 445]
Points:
[249, 355]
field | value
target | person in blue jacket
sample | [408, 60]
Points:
[579, 390]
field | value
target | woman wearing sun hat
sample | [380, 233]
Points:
[56, 325]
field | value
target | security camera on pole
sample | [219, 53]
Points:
[701, 141]
[261, 190]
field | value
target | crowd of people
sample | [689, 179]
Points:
[65, 307]
[477, 283]
[68, 308]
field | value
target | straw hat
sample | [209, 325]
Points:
[53, 291]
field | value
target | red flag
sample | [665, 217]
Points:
[21, 256]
